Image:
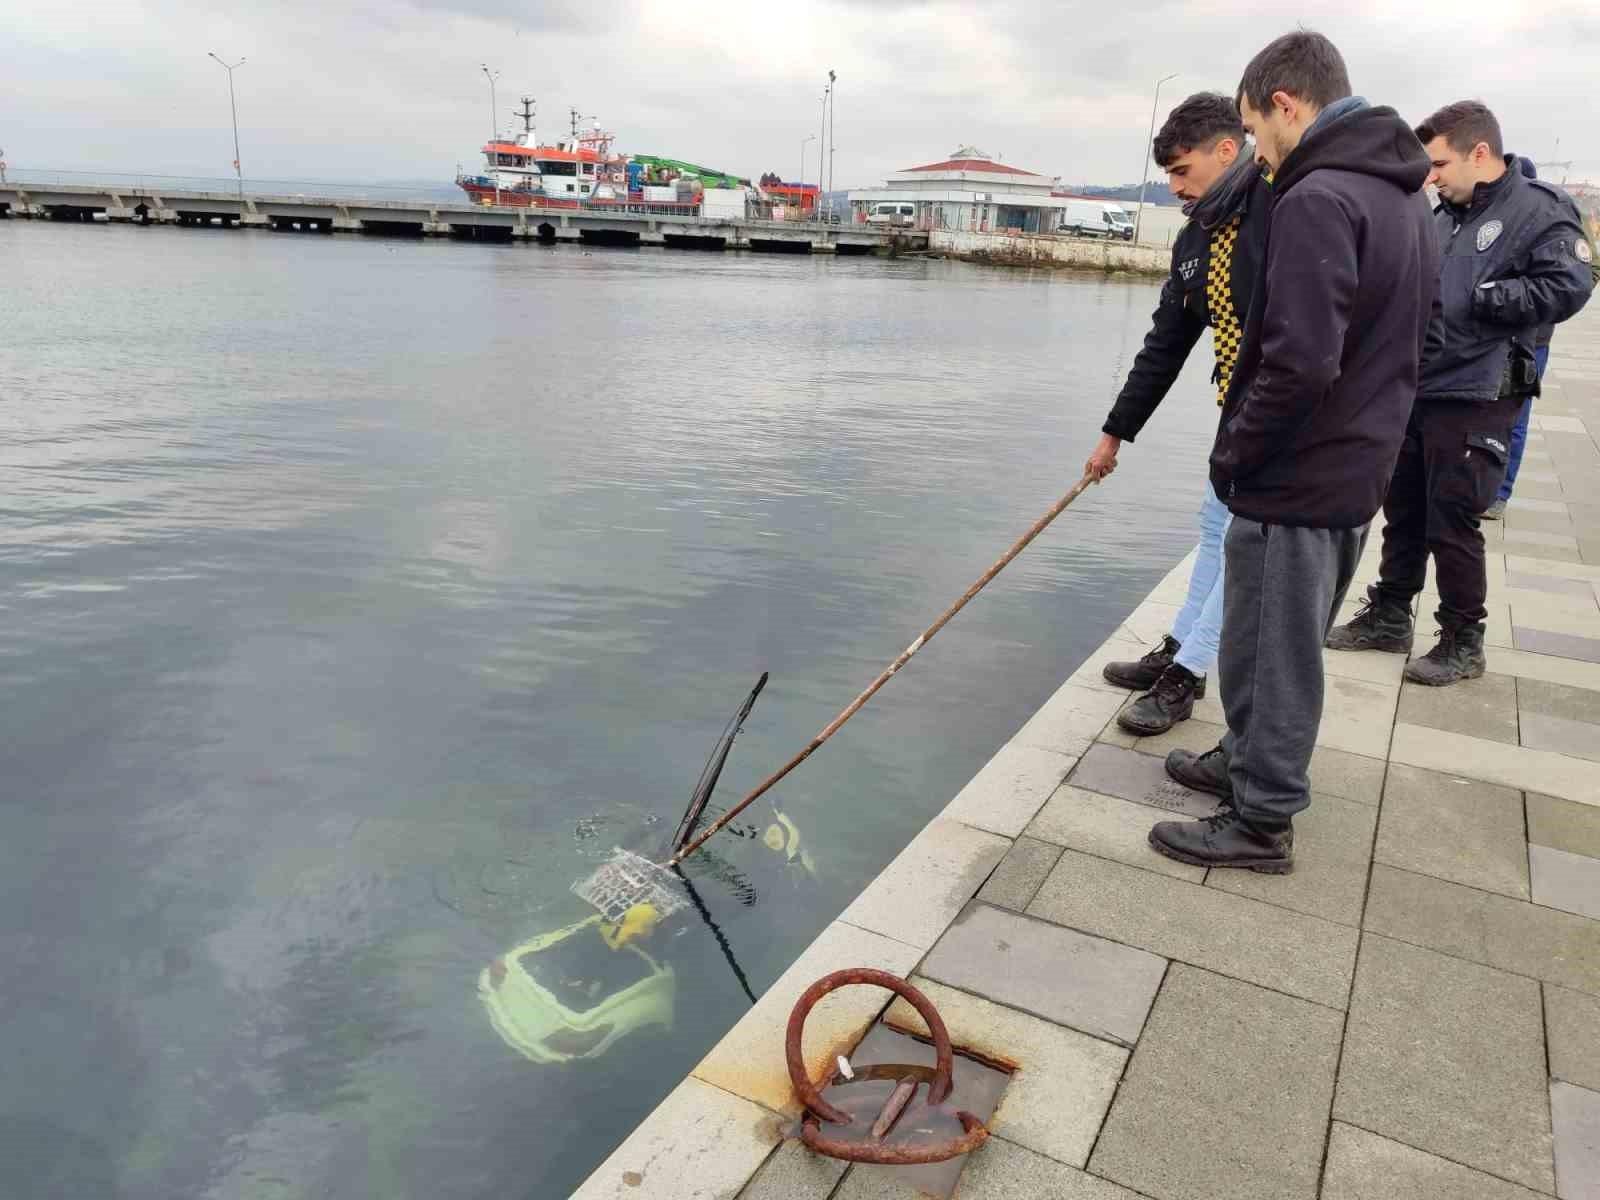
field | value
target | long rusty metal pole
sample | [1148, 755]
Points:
[889, 672]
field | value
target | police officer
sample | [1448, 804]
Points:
[1541, 356]
[1514, 257]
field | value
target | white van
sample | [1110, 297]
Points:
[893, 212]
[1095, 218]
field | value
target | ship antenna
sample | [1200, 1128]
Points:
[527, 116]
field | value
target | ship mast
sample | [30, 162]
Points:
[595, 139]
[527, 121]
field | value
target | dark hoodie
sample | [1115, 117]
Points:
[1313, 422]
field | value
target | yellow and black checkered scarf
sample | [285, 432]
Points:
[1226, 332]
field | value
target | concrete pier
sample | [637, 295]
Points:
[623, 225]
[1053, 250]
[1413, 1013]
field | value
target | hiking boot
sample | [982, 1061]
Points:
[1206, 772]
[1495, 511]
[1141, 676]
[1459, 655]
[1171, 700]
[1225, 840]
[1382, 624]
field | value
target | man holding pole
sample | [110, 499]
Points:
[1310, 431]
[1215, 261]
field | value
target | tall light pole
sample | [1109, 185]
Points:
[494, 125]
[234, 109]
[494, 105]
[804, 142]
[822, 140]
[1145, 174]
[833, 107]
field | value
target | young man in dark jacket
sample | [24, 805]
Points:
[1310, 429]
[1215, 261]
[1513, 252]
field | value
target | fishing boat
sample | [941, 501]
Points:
[519, 171]
[581, 171]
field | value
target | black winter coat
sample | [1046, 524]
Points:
[1323, 389]
[1521, 236]
[1183, 312]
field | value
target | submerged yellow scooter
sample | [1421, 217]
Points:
[574, 992]
[634, 894]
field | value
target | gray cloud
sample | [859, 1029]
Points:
[563, 16]
[369, 90]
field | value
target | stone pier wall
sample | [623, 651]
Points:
[1050, 250]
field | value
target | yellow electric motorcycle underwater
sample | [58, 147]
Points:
[574, 992]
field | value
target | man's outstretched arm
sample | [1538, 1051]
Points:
[1174, 329]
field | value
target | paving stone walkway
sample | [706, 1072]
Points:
[1414, 1012]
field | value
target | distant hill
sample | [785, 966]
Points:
[1155, 192]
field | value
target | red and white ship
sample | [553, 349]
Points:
[579, 171]
[521, 172]
[582, 171]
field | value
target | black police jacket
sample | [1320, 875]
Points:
[1183, 313]
[1511, 262]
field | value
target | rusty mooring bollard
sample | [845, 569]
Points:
[901, 1130]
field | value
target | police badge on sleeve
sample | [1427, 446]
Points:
[1488, 232]
[1582, 250]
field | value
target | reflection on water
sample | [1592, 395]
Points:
[360, 596]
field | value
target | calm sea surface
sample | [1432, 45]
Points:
[358, 595]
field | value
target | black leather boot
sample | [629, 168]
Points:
[1171, 700]
[1382, 624]
[1206, 772]
[1459, 655]
[1141, 676]
[1225, 840]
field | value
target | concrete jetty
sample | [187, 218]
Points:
[1414, 1012]
[621, 224]
[1112, 257]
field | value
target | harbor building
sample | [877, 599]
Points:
[971, 192]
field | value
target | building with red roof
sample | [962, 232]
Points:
[970, 190]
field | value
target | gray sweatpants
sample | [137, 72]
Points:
[1285, 586]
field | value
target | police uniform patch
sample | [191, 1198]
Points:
[1581, 249]
[1487, 232]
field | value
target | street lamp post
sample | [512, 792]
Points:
[833, 107]
[804, 142]
[822, 140]
[494, 123]
[234, 109]
[1145, 174]
[494, 105]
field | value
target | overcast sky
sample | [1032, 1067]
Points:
[376, 90]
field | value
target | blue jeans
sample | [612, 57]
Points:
[1199, 623]
[1519, 431]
